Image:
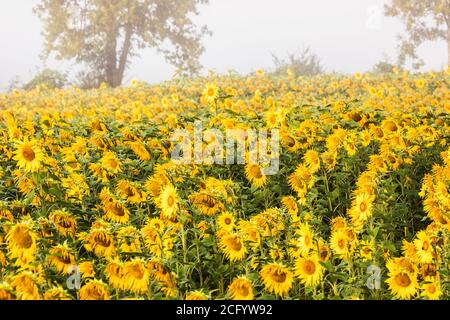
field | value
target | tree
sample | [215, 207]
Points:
[102, 35]
[384, 66]
[301, 63]
[425, 20]
[50, 78]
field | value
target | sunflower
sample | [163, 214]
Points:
[65, 223]
[25, 286]
[29, 155]
[208, 205]
[111, 163]
[114, 274]
[233, 247]
[431, 290]
[22, 243]
[155, 184]
[57, 293]
[94, 290]
[306, 239]
[115, 211]
[196, 295]
[6, 292]
[250, 233]
[128, 239]
[367, 250]
[402, 285]
[226, 221]
[61, 258]
[99, 241]
[140, 150]
[130, 192]
[290, 205]
[136, 276]
[254, 174]
[87, 269]
[341, 243]
[290, 142]
[277, 278]
[241, 289]
[309, 270]
[361, 209]
[211, 93]
[424, 249]
[312, 161]
[168, 202]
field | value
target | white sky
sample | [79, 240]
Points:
[349, 36]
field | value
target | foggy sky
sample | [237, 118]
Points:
[349, 36]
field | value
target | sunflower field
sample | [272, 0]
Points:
[360, 208]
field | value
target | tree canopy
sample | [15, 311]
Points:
[425, 20]
[102, 35]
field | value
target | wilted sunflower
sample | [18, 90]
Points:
[57, 293]
[241, 289]
[6, 292]
[196, 295]
[65, 223]
[290, 205]
[100, 241]
[232, 246]
[21, 242]
[25, 285]
[61, 258]
[312, 161]
[277, 278]
[94, 290]
[29, 155]
[136, 276]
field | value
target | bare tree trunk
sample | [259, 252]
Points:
[124, 54]
[111, 58]
[448, 46]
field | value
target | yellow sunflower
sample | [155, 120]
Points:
[277, 278]
[233, 247]
[309, 270]
[226, 221]
[431, 290]
[136, 276]
[94, 290]
[168, 202]
[211, 93]
[196, 295]
[254, 174]
[61, 258]
[29, 155]
[241, 289]
[402, 285]
[22, 243]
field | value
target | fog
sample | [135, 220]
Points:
[348, 35]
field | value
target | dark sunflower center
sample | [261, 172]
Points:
[28, 154]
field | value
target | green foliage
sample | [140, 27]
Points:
[103, 35]
[425, 20]
[50, 78]
[301, 63]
